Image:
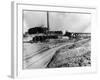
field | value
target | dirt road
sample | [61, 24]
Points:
[41, 60]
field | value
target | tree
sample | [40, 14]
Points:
[37, 30]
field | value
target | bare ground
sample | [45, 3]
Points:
[59, 53]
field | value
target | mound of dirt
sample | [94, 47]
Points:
[74, 55]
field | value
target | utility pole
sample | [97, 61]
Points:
[48, 20]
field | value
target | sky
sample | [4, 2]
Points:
[73, 22]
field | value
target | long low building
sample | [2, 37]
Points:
[76, 34]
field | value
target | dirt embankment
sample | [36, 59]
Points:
[74, 55]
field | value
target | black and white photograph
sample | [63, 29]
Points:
[50, 40]
[56, 39]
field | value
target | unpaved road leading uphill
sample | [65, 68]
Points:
[64, 55]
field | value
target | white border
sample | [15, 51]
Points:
[17, 52]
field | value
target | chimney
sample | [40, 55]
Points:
[48, 20]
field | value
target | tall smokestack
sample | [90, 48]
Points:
[48, 20]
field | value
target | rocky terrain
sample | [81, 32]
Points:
[57, 53]
[74, 55]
